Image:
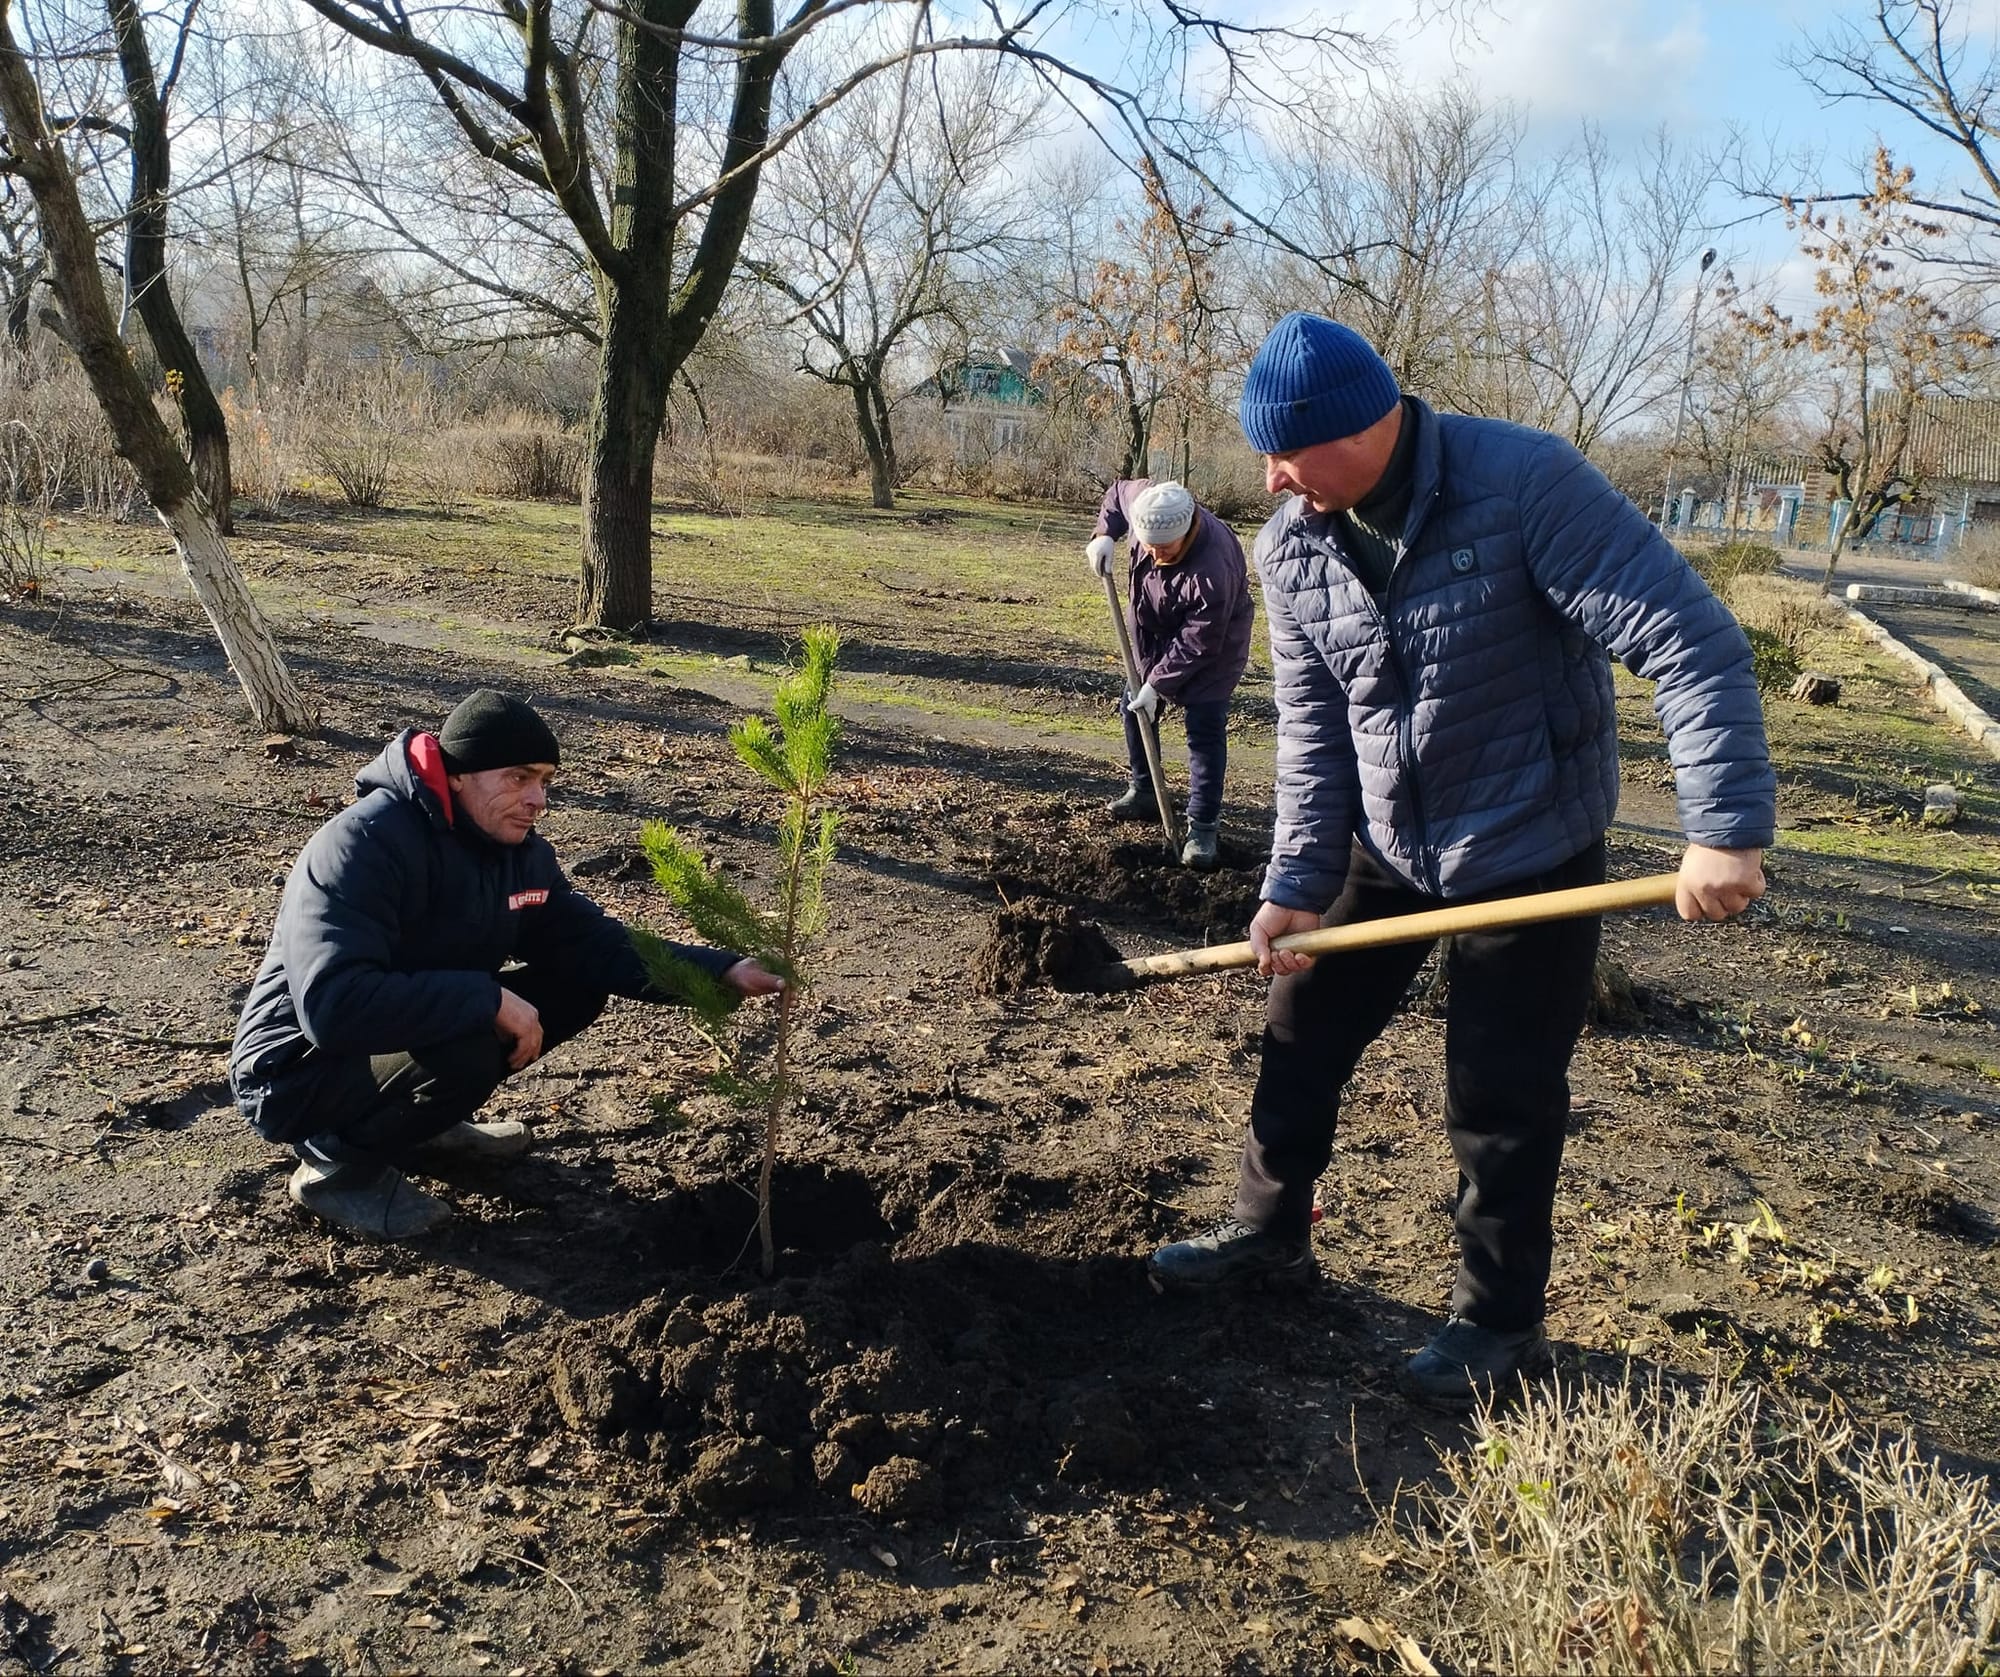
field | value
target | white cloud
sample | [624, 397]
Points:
[1630, 64]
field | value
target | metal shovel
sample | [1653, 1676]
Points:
[1149, 732]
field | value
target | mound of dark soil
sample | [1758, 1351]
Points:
[1039, 942]
[1130, 871]
[904, 1388]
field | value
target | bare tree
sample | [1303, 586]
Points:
[1585, 331]
[1884, 343]
[876, 223]
[584, 107]
[21, 266]
[1918, 58]
[648, 136]
[1408, 204]
[147, 99]
[268, 209]
[143, 438]
[1141, 317]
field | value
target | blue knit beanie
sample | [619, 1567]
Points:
[1313, 380]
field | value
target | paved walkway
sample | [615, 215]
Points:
[1964, 644]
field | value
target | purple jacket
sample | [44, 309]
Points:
[1190, 619]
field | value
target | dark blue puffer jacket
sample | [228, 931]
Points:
[1463, 728]
[397, 918]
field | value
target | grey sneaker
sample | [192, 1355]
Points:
[476, 1144]
[1229, 1255]
[1137, 804]
[1199, 851]
[1465, 1362]
[377, 1203]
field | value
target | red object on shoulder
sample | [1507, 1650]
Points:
[427, 761]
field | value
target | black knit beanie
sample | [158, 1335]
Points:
[492, 730]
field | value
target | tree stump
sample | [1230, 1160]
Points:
[1817, 688]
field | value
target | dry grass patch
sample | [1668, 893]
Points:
[1650, 1529]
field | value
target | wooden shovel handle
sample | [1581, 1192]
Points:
[1648, 892]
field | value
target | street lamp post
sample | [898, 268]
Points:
[1687, 379]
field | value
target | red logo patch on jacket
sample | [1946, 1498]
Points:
[527, 899]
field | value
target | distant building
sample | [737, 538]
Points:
[987, 400]
[1954, 470]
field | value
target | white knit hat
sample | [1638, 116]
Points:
[1162, 513]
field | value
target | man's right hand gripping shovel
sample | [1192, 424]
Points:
[1274, 920]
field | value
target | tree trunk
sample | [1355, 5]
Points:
[20, 305]
[142, 436]
[246, 638]
[146, 266]
[885, 430]
[881, 466]
[616, 587]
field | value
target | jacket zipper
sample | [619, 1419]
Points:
[1406, 720]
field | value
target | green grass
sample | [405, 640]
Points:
[1001, 589]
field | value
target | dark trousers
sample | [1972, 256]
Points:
[1208, 755]
[360, 1109]
[1515, 1007]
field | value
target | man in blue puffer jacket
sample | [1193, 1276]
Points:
[1442, 593]
[381, 1019]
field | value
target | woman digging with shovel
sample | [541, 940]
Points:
[1190, 595]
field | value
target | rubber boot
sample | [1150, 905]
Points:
[376, 1202]
[1199, 851]
[1138, 804]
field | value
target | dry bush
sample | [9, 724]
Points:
[1978, 560]
[1651, 1529]
[1784, 619]
[1719, 564]
[363, 423]
[26, 507]
[264, 452]
[531, 462]
[44, 390]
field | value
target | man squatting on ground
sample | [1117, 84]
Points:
[381, 1019]
[1191, 608]
[1441, 593]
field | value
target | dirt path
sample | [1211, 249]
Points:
[957, 1431]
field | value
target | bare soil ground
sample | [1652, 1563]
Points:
[576, 1430]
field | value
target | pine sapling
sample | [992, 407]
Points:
[795, 754]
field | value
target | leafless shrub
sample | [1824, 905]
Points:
[44, 390]
[28, 484]
[362, 424]
[1646, 1529]
[1794, 613]
[535, 464]
[264, 454]
[1978, 560]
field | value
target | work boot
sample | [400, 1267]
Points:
[1466, 1362]
[1232, 1254]
[1199, 851]
[1138, 804]
[371, 1200]
[475, 1144]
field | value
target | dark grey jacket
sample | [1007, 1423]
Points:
[395, 923]
[1190, 619]
[1463, 727]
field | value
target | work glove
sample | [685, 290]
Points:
[1098, 554]
[1144, 703]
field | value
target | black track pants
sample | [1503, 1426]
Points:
[355, 1108]
[1515, 1007]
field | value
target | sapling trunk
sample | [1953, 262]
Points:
[795, 754]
